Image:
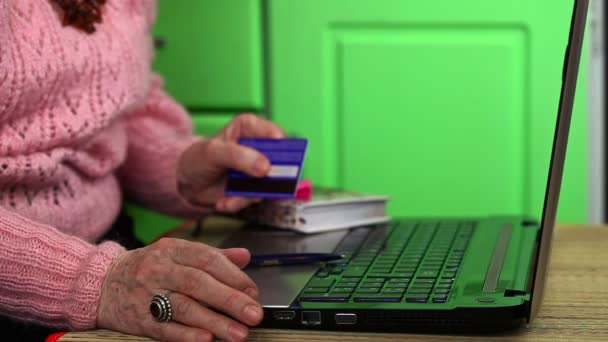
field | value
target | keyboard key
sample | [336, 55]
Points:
[393, 290]
[443, 286]
[374, 280]
[347, 284]
[381, 275]
[321, 282]
[448, 274]
[350, 279]
[407, 275]
[368, 290]
[399, 280]
[406, 268]
[418, 291]
[397, 285]
[427, 275]
[348, 273]
[371, 284]
[440, 299]
[336, 270]
[316, 289]
[378, 298]
[424, 281]
[442, 291]
[410, 261]
[359, 263]
[343, 289]
[416, 298]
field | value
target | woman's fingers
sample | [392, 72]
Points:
[212, 261]
[239, 256]
[231, 155]
[191, 313]
[206, 289]
[234, 204]
[213, 156]
[252, 126]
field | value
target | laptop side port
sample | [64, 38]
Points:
[346, 318]
[286, 315]
[311, 317]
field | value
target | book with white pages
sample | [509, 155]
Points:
[328, 209]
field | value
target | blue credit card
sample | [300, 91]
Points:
[286, 157]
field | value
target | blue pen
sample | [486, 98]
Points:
[291, 259]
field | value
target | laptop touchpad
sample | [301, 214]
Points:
[280, 285]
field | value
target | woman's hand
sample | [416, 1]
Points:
[209, 293]
[202, 168]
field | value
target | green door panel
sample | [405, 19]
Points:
[447, 106]
[211, 56]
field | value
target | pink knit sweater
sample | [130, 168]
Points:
[81, 119]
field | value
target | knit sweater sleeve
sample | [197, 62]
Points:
[49, 277]
[158, 132]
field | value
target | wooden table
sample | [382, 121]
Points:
[575, 307]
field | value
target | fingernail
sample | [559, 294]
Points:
[238, 332]
[253, 312]
[261, 166]
[251, 292]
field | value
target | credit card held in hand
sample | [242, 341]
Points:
[286, 157]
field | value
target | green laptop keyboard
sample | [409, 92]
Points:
[415, 262]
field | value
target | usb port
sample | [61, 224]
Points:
[284, 315]
[346, 318]
[311, 317]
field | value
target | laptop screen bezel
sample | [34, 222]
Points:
[558, 153]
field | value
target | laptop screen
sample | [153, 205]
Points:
[558, 154]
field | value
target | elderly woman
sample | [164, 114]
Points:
[83, 121]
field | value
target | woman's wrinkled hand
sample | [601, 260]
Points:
[209, 293]
[202, 168]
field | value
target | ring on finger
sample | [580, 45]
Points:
[160, 308]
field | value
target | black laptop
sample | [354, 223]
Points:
[429, 274]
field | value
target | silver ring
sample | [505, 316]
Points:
[160, 308]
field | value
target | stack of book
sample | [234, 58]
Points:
[328, 209]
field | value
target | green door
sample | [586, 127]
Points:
[447, 106]
[211, 54]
